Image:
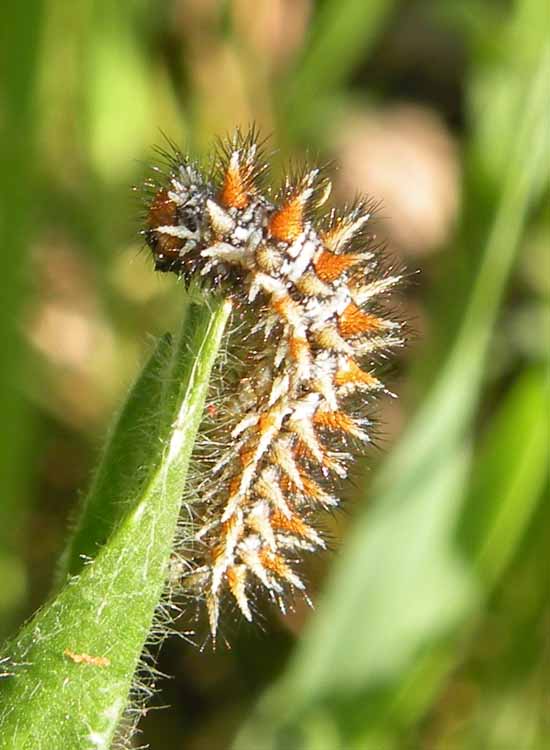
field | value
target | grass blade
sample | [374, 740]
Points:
[20, 47]
[340, 35]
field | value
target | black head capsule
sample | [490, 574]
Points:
[165, 247]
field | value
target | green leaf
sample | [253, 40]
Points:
[49, 699]
[123, 467]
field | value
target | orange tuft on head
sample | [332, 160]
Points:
[235, 192]
[354, 321]
[330, 266]
[287, 223]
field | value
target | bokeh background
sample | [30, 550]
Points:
[432, 624]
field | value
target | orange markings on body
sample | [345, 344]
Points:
[229, 525]
[232, 578]
[234, 484]
[332, 465]
[330, 266]
[302, 450]
[235, 580]
[293, 525]
[163, 212]
[281, 305]
[287, 223]
[94, 661]
[286, 308]
[217, 552]
[267, 421]
[246, 455]
[235, 190]
[354, 321]
[287, 486]
[311, 488]
[354, 374]
[334, 420]
[298, 347]
[275, 563]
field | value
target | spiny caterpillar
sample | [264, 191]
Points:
[308, 290]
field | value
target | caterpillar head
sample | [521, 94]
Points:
[191, 217]
[176, 228]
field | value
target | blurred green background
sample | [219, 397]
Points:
[433, 622]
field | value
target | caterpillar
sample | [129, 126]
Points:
[309, 286]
